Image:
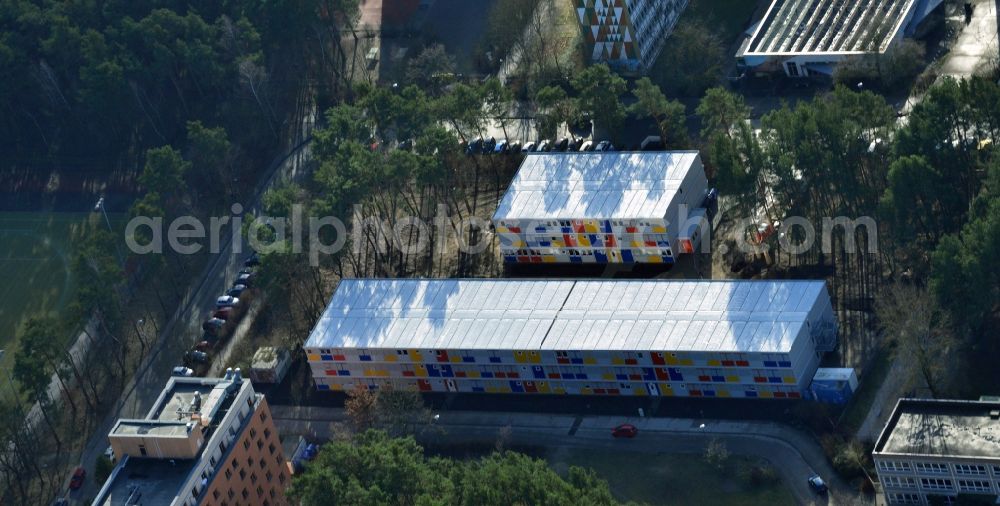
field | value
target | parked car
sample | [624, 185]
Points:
[205, 346]
[561, 145]
[501, 147]
[626, 430]
[214, 326]
[406, 145]
[226, 301]
[817, 484]
[574, 145]
[77, 480]
[252, 261]
[109, 452]
[488, 145]
[545, 146]
[529, 147]
[182, 371]
[223, 313]
[237, 290]
[587, 146]
[475, 146]
[604, 146]
[515, 147]
[197, 357]
[245, 279]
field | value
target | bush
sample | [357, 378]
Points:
[102, 469]
[716, 454]
[756, 474]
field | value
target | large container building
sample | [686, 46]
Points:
[746, 339]
[604, 207]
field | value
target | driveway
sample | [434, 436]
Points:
[794, 455]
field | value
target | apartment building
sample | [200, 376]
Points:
[206, 441]
[740, 339]
[627, 34]
[940, 452]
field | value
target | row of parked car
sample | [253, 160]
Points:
[219, 326]
[502, 146]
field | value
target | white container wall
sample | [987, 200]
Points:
[599, 207]
[747, 339]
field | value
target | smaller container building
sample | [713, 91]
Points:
[605, 207]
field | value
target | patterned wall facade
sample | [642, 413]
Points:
[627, 34]
[655, 373]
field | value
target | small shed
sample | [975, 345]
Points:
[270, 364]
[834, 385]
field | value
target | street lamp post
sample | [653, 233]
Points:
[99, 206]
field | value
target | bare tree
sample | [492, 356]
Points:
[255, 78]
[909, 317]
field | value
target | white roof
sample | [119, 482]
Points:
[601, 185]
[502, 314]
[793, 27]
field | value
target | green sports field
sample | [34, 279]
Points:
[35, 254]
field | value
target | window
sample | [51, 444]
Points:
[936, 484]
[886, 465]
[246, 444]
[260, 491]
[260, 444]
[931, 468]
[229, 474]
[271, 448]
[970, 469]
[231, 493]
[261, 463]
[974, 486]
[212, 462]
[268, 476]
[142, 450]
[234, 463]
[245, 494]
[267, 433]
[899, 481]
[271, 493]
[253, 432]
[253, 477]
[281, 477]
[904, 499]
[215, 495]
[243, 474]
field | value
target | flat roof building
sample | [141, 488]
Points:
[614, 207]
[205, 441]
[627, 34]
[939, 449]
[614, 337]
[805, 37]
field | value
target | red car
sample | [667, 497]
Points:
[625, 430]
[77, 480]
[223, 313]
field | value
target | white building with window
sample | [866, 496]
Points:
[806, 37]
[940, 450]
[723, 339]
[603, 207]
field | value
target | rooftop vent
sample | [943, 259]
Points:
[196, 402]
[229, 373]
[237, 377]
[995, 414]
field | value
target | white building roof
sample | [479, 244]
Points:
[793, 27]
[501, 314]
[595, 185]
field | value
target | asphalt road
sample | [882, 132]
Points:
[794, 455]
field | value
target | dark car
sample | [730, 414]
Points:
[501, 147]
[77, 480]
[223, 313]
[237, 290]
[253, 261]
[574, 145]
[817, 484]
[604, 146]
[204, 346]
[515, 147]
[489, 145]
[245, 279]
[561, 145]
[198, 357]
[214, 326]
[475, 146]
[626, 430]
[545, 146]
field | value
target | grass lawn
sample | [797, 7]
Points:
[670, 478]
[35, 255]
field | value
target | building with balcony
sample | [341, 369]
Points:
[807, 37]
[206, 441]
[740, 339]
[940, 452]
[606, 207]
[627, 34]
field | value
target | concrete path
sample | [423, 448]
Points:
[794, 455]
[976, 45]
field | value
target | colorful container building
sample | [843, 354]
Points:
[613, 207]
[741, 339]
